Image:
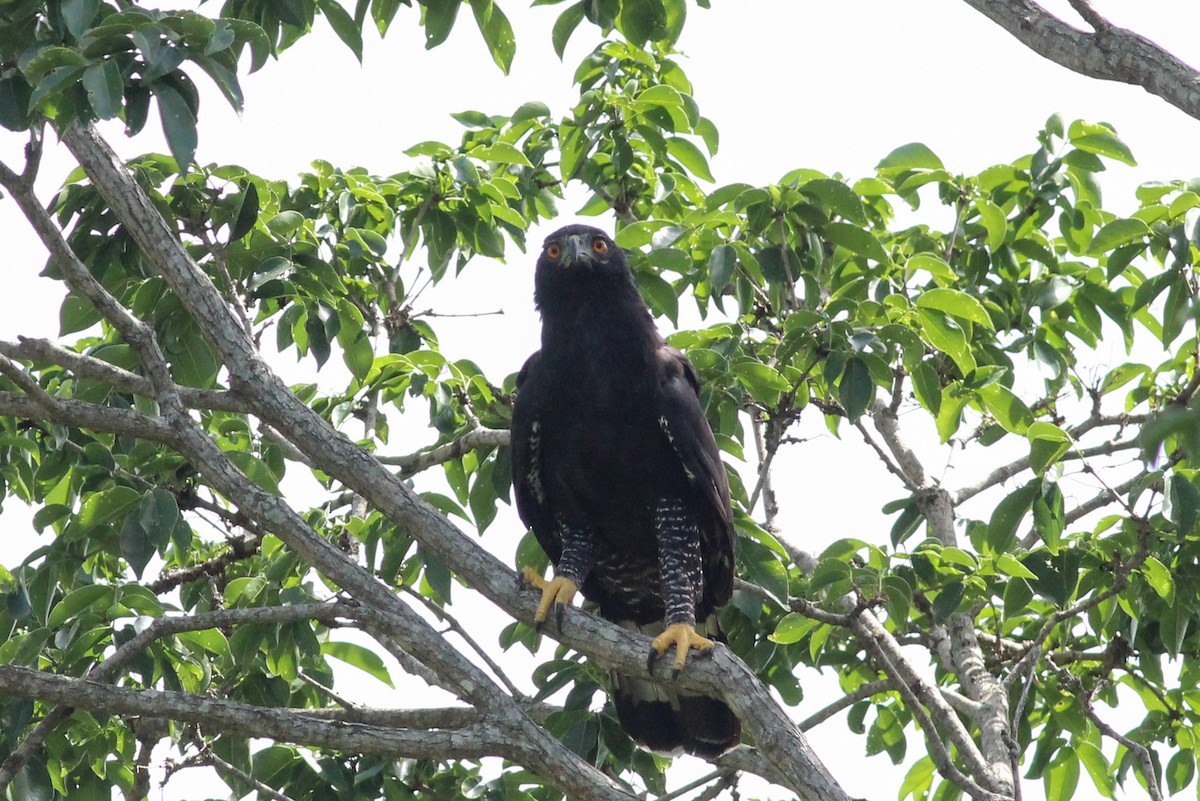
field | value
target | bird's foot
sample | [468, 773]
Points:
[557, 591]
[684, 637]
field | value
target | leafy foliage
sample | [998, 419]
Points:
[823, 298]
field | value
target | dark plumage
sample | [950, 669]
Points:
[617, 473]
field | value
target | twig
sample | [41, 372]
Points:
[862, 693]
[883, 457]
[458, 629]
[414, 463]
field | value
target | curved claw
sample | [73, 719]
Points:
[557, 591]
[684, 637]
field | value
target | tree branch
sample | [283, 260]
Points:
[1110, 53]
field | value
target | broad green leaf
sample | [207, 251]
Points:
[1159, 578]
[933, 264]
[1063, 777]
[1097, 767]
[1117, 233]
[956, 303]
[102, 507]
[360, 657]
[1002, 527]
[721, 264]
[764, 382]
[99, 596]
[856, 240]
[1047, 442]
[837, 198]
[947, 336]
[855, 389]
[1105, 144]
[1181, 503]
[178, 123]
[105, 89]
[137, 544]
[343, 25]
[994, 222]
[497, 32]
[502, 153]
[914, 156]
[1008, 409]
[1010, 566]
[793, 627]
[565, 25]
[690, 156]
[439, 20]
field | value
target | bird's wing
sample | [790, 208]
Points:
[527, 466]
[687, 429]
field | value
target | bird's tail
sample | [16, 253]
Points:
[664, 719]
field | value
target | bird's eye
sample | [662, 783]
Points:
[554, 250]
[599, 245]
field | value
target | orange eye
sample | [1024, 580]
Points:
[554, 250]
[599, 245]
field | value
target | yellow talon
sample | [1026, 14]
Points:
[684, 637]
[558, 590]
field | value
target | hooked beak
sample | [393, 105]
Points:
[576, 250]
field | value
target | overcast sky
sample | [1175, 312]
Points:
[790, 83]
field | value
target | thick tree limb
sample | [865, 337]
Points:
[483, 738]
[1110, 53]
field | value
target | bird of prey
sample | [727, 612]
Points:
[617, 472]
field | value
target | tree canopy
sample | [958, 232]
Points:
[980, 635]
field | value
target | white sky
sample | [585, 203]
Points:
[790, 83]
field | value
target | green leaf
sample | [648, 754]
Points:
[1097, 766]
[721, 264]
[178, 123]
[856, 388]
[927, 387]
[690, 156]
[856, 240]
[659, 295]
[137, 544]
[501, 153]
[1009, 410]
[1009, 565]
[99, 596]
[956, 303]
[1182, 503]
[158, 515]
[763, 382]
[1105, 144]
[1047, 442]
[933, 264]
[105, 89]
[439, 20]
[1001, 531]
[1117, 233]
[837, 198]
[255, 469]
[1159, 578]
[247, 214]
[497, 32]
[994, 222]
[343, 25]
[360, 657]
[104, 506]
[947, 336]
[914, 156]
[78, 15]
[1063, 777]
[76, 314]
[565, 25]
[792, 628]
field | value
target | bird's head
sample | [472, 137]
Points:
[581, 247]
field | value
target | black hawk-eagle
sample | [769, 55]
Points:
[617, 473]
